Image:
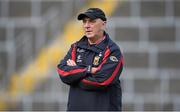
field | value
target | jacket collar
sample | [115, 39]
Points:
[83, 43]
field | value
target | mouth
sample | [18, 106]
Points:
[88, 31]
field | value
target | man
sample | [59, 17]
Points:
[92, 67]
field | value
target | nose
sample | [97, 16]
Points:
[86, 25]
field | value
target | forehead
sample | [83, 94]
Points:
[90, 19]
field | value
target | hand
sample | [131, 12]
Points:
[71, 62]
[93, 70]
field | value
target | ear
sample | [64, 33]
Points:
[104, 22]
[104, 25]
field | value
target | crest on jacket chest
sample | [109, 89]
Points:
[97, 58]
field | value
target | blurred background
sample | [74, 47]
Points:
[36, 34]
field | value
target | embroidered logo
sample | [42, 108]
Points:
[100, 54]
[113, 58]
[96, 60]
[80, 50]
[79, 59]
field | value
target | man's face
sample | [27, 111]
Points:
[93, 27]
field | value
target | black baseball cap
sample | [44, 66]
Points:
[93, 13]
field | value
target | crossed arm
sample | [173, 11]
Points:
[73, 63]
[106, 73]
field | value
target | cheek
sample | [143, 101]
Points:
[97, 29]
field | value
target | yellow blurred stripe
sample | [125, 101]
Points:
[2, 105]
[37, 70]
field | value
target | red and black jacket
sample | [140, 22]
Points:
[106, 56]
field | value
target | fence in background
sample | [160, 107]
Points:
[148, 34]
[146, 31]
[28, 26]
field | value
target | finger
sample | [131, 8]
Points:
[73, 63]
[68, 62]
[94, 70]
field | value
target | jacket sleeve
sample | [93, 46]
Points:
[70, 74]
[108, 71]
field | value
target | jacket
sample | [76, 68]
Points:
[99, 91]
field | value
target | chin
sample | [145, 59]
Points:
[89, 36]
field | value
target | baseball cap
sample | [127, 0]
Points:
[93, 13]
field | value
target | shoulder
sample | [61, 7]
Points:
[113, 46]
[80, 42]
[115, 52]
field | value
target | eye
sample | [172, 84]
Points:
[84, 21]
[92, 20]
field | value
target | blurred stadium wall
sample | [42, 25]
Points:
[36, 34]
